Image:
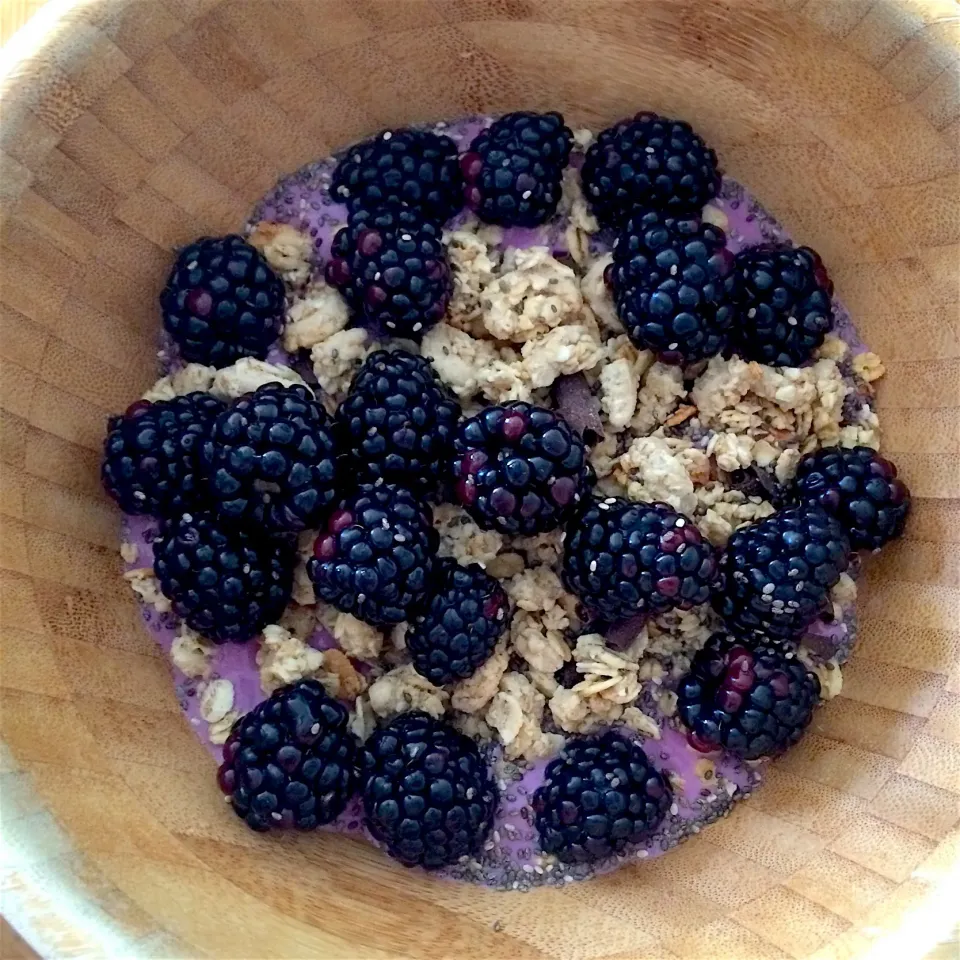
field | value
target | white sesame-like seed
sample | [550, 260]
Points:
[610, 500]
[766, 598]
[792, 321]
[673, 346]
[357, 158]
[527, 868]
[673, 270]
[361, 597]
[752, 312]
[800, 585]
[527, 194]
[139, 495]
[387, 135]
[405, 236]
[377, 275]
[315, 729]
[391, 324]
[192, 265]
[768, 588]
[276, 816]
[681, 522]
[400, 538]
[674, 809]
[417, 326]
[593, 565]
[246, 568]
[648, 150]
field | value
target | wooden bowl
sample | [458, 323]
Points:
[135, 126]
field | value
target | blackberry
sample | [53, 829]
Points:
[223, 582]
[152, 454]
[651, 163]
[753, 700]
[411, 168]
[776, 574]
[622, 557]
[519, 469]
[290, 762]
[600, 794]
[222, 302]
[458, 628]
[397, 422]
[785, 304]
[513, 168]
[271, 459]
[673, 283]
[427, 792]
[392, 269]
[376, 555]
[860, 488]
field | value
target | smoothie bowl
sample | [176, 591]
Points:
[503, 403]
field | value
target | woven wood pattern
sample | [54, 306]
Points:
[143, 124]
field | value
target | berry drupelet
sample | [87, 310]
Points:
[410, 168]
[290, 762]
[754, 700]
[271, 459]
[673, 284]
[785, 307]
[460, 624]
[391, 267]
[397, 422]
[222, 302]
[375, 557]
[599, 795]
[513, 169]
[519, 469]
[427, 792]
[224, 583]
[651, 163]
[776, 574]
[861, 489]
[622, 557]
[152, 454]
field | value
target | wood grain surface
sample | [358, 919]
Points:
[144, 123]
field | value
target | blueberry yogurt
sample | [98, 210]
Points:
[503, 495]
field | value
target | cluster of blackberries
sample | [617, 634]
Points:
[233, 484]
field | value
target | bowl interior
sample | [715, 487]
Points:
[139, 126]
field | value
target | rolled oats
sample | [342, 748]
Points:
[356, 638]
[637, 720]
[191, 378]
[581, 223]
[336, 360]
[146, 586]
[317, 316]
[457, 357]
[534, 293]
[248, 373]
[597, 296]
[216, 700]
[515, 713]
[561, 352]
[191, 654]
[651, 471]
[660, 393]
[474, 693]
[284, 658]
[606, 673]
[402, 690]
[129, 552]
[619, 383]
[868, 366]
[462, 539]
[218, 732]
[288, 251]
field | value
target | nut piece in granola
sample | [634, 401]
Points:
[660, 393]
[316, 317]
[288, 251]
